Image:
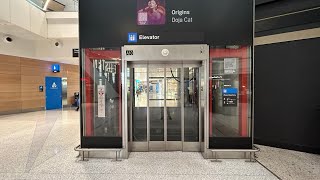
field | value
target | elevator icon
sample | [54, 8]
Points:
[132, 37]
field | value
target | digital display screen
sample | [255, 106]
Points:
[151, 12]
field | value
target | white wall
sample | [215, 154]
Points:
[38, 22]
[46, 50]
[62, 24]
[18, 47]
[67, 30]
[28, 26]
[5, 10]
[24, 15]
[41, 49]
[20, 13]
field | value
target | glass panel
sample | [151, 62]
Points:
[229, 91]
[101, 89]
[129, 101]
[202, 100]
[191, 104]
[139, 111]
[173, 101]
[156, 103]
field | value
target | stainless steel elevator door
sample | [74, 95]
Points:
[164, 107]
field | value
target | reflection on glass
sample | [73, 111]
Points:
[156, 103]
[139, 110]
[229, 87]
[107, 97]
[140, 87]
[191, 104]
[225, 118]
[129, 104]
[173, 102]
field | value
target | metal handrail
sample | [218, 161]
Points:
[254, 150]
[79, 149]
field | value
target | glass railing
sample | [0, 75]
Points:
[38, 3]
[56, 5]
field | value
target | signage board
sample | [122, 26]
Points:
[101, 101]
[115, 23]
[75, 52]
[230, 65]
[55, 68]
[230, 97]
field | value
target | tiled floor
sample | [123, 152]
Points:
[39, 145]
[291, 165]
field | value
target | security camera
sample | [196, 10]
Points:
[7, 39]
[58, 44]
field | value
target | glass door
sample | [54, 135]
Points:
[164, 107]
[156, 98]
[173, 108]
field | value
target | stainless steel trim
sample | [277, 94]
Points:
[173, 145]
[124, 105]
[140, 146]
[152, 53]
[157, 146]
[94, 92]
[206, 127]
[131, 103]
[191, 146]
[286, 14]
[64, 82]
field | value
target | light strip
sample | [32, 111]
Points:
[289, 36]
[281, 15]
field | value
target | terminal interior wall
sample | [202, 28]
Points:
[20, 79]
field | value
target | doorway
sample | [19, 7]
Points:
[164, 90]
[164, 107]
[53, 93]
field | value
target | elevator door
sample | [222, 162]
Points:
[165, 108]
[164, 111]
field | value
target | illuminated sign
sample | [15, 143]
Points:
[55, 68]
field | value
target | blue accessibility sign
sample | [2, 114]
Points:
[230, 91]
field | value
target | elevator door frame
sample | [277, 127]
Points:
[183, 55]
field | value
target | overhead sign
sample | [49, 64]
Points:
[129, 52]
[75, 52]
[132, 37]
[55, 68]
[213, 22]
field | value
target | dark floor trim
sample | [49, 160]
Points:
[268, 169]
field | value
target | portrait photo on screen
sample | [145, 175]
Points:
[151, 12]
